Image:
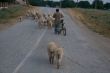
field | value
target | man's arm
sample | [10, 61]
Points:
[61, 15]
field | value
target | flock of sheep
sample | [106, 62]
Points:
[41, 18]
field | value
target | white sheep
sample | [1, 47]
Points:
[20, 18]
[41, 21]
[51, 51]
[59, 52]
[50, 21]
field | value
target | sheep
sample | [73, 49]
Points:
[33, 13]
[38, 14]
[20, 18]
[29, 12]
[59, 52]
[38, 17]
[51, 18]
[51, 51]
[50, 21]
[44, 15]
[42, 21]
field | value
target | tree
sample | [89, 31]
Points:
[36, 2]
[97, 4]
[84, 4]
[68, 3]
[4, 3]
[107, 6]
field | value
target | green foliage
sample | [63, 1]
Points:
[10, 1]
[36, 2]
[107, 6]
[97, 4]
[68, 3]
[84, 4]
[64, 3]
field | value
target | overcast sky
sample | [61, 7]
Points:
[88, 0]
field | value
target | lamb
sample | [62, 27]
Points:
[59, 52]
[41, 21]
[51, 51]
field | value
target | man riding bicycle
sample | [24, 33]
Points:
[57, 15]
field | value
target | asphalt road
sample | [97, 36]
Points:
[23, 48]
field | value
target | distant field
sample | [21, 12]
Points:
[10, 15]
[97, 20]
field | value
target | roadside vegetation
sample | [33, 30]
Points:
[97, 20]
[10, 15]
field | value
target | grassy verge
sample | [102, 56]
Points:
[97, 20]
[9, 16]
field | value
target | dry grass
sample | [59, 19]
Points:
[97, 20]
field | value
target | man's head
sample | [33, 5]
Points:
[57, 10]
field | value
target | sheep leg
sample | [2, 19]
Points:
[59, 59]
[50, 60]
[58, 65]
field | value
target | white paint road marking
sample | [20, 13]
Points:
[30, 52]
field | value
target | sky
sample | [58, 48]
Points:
[88, 0]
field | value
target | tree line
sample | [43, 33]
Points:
[97, 4]
[4, 3]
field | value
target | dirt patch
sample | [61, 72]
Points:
[96, 20]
